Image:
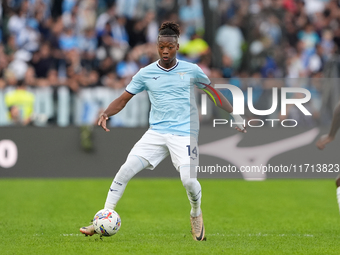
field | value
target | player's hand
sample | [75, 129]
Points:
[102, 121]
[241, 129]
[323, 140]
[239, 121]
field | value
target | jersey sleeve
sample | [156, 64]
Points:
[136, 85]
[201, 79]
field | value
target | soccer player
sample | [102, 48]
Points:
[173, 123]
[327, 138]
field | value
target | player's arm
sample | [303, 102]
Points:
[114, 107]
[225, 105]
[325, 139]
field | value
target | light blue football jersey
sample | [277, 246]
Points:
[171, 92]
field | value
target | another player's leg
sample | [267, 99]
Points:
[337, 183]
[194, 192]
[130, 168]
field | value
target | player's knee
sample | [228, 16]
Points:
[188, 182]
[124, 174]
[130, 168]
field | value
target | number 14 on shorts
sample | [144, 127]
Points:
[192, 152]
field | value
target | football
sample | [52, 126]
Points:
[106, 222]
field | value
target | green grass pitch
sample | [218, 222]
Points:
[43, 216]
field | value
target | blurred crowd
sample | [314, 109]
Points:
[62, 62]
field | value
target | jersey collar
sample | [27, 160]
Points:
[168, 70]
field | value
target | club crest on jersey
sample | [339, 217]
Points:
[182, 74]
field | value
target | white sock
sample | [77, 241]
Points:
[195, 206]
[130, 168]
[338, 196]
[193, 188]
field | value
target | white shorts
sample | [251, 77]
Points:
[154, 147]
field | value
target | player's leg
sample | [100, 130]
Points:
[133, 165]
[337, 183]
[148, 152]
[184, 155]
[194, 192]
[192, 187]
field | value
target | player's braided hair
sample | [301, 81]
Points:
[169, 28]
